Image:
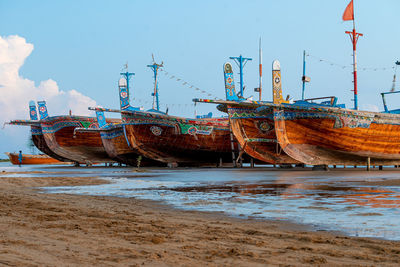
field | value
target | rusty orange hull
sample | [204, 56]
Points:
[32, 159]
[256, 135]
[85, 147]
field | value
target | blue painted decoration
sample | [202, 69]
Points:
[42, 110]
[101, 119]
[32, 110]
[229, 83]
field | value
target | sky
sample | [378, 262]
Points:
[70, 53]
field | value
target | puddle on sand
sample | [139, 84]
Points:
[357, 203]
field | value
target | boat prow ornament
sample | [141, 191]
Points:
[229, 83]
[277, 83]
[42, 110]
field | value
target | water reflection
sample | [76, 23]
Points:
[358, 203]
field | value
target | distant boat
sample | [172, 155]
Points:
[28, 159]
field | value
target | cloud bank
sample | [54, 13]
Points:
[16, 91]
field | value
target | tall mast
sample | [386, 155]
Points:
[241, 61]
[354, 38]
[260, 68]
[155, 67]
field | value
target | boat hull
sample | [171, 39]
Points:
[40, 143]
[256, 135]
[118, 149]
[332, 136]
[177, 140]
[80, 147]
[32, 159]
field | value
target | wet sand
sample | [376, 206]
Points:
[59, 229]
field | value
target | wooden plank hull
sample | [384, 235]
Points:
[118, 149]
[85, 147]
[318, 136]
[32, 159]
[256, 135]
[40, 143]
[177, 140]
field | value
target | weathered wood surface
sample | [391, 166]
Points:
[84, 148]
[336, 136]
[32, 159]
[256, 135]
[172, 139]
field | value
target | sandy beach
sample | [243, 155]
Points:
[60, 229]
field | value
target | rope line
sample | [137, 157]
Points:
[349, 66]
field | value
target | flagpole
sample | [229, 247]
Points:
[354, 38]
[260, 68]
[355, 62]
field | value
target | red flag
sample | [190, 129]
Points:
[348, 13]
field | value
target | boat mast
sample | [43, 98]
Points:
[241, 61]
[155, 67]
[354, 38]
[127, 75]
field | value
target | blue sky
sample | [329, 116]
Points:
[82, 45]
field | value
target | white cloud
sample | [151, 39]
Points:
[16, 91]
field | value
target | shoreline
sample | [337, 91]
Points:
[63, 229]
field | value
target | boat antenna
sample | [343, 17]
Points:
[259, 89]
[349, 15]
[397, 63]
[304, 78]
[154, 66]
[241, 62]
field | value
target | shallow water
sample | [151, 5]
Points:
[358, 203]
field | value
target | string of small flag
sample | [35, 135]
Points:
[331, 63]
[149, 103]
[186, 83]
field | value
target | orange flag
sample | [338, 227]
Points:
[348, 13]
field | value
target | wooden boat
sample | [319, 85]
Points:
[32, 159]
[58, 132]
[255, 132]
[37, 135]
[55, 136]
[116, 144]
[175, 140]
[327, 135]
